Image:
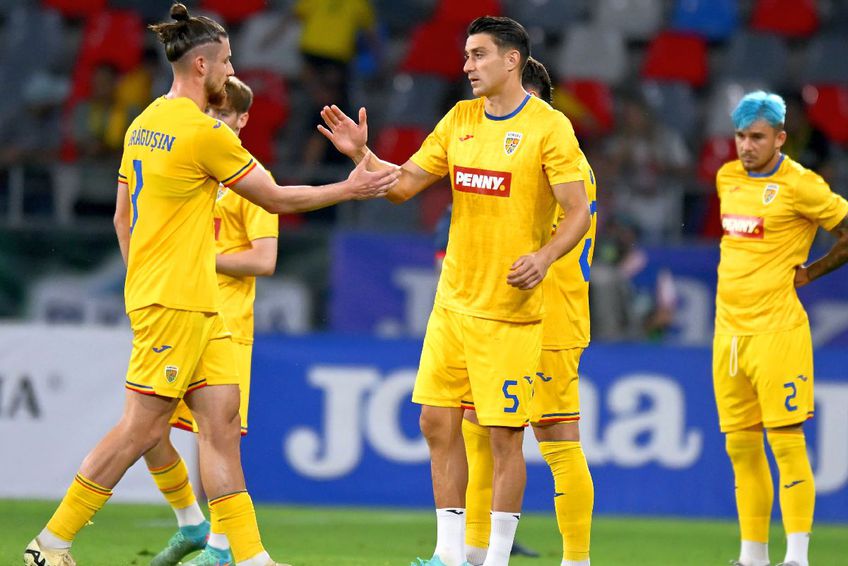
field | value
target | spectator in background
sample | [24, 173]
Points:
[99, 122]
[805, 143]
[648, 165]
[328, 45]
[30, 136]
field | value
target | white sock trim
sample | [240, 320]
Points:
[47, 539]
[261, 559]
[219, 541]
[450, 535]
[190, 516]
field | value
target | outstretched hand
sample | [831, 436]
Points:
[365, 184]
[346, 135]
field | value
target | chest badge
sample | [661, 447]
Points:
[770, 193]
[511, 141]
[222, 190]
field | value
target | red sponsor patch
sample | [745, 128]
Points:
[481, 181]
[743, 226]
[217, 228]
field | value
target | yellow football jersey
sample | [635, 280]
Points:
[174, 158]
[566, 286]
[237, 223]
[501, 169]
[769, 221]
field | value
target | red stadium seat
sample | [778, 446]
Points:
[234, 12]
[115, 37]
[714, 153]
[464, 12]
[792, 18]
[436, 48]
[268, 114]
[397, 144]
[76, 8]
[827, 109]
[676, 56]
[588, 104]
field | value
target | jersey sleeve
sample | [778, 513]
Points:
[219, 153]
[258, 222]
[561, 155]
[433, 154]
[815, 200]
[123, 170]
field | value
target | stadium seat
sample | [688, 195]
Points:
[464, 12]
[76, 8]
[635, 19]
[417, 100]
[721, 102]
[269, 112]
[593, 53]
[233, 12]
[757, 56]
[435, 48]
[827, 109]
[551, 16]
[674, 105]
[826, 60]
[281, 56]
[114, 37]
[588, 104]
[792, 18]
[675, 56]
[400, 15]
[397, 144]
[715, 152]
[714, 19]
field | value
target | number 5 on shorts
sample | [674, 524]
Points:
[509, 396]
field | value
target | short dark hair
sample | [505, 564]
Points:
[505, 32]
[239, 95]
[536, 77]
[186, 32]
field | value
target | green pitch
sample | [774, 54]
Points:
[125, 535]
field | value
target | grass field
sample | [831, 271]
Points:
[125, 535]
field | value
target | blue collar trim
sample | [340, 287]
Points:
[511, 114]
[770, 173]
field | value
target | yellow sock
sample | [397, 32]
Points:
[478, 494]
[574, 496]
[172, 480]
[797, 485]
[82, 500]
[233, 514]
[754, 488]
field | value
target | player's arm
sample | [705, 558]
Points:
[529, 270]
[259, 260]
[351, 139]
[361, 184]
[835, 258]
[121, 220]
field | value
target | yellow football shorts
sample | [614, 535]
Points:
[176, 351]
[480, 364]
[556, 397]
[765, 378]
[182, 417]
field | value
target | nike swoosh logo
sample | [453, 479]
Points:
[161, 348]
[793, 484]
[216, 126]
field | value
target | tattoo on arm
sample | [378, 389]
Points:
[836, 257]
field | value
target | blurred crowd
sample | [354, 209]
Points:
[648, 84]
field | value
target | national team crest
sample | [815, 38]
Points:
[171, 373]
[770, 193]
[511, 142]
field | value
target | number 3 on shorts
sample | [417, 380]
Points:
[790, 396]
[509, 396]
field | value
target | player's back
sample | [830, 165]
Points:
[566, 285]
[168, 152]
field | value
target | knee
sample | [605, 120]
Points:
[557, 432]
[786, 441]
[744, 445]
[439, 426]
[506, 442]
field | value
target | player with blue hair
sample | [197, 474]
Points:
[759, 105]
[771, 209]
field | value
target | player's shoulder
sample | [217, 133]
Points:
[730, 169]
[796, 174]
